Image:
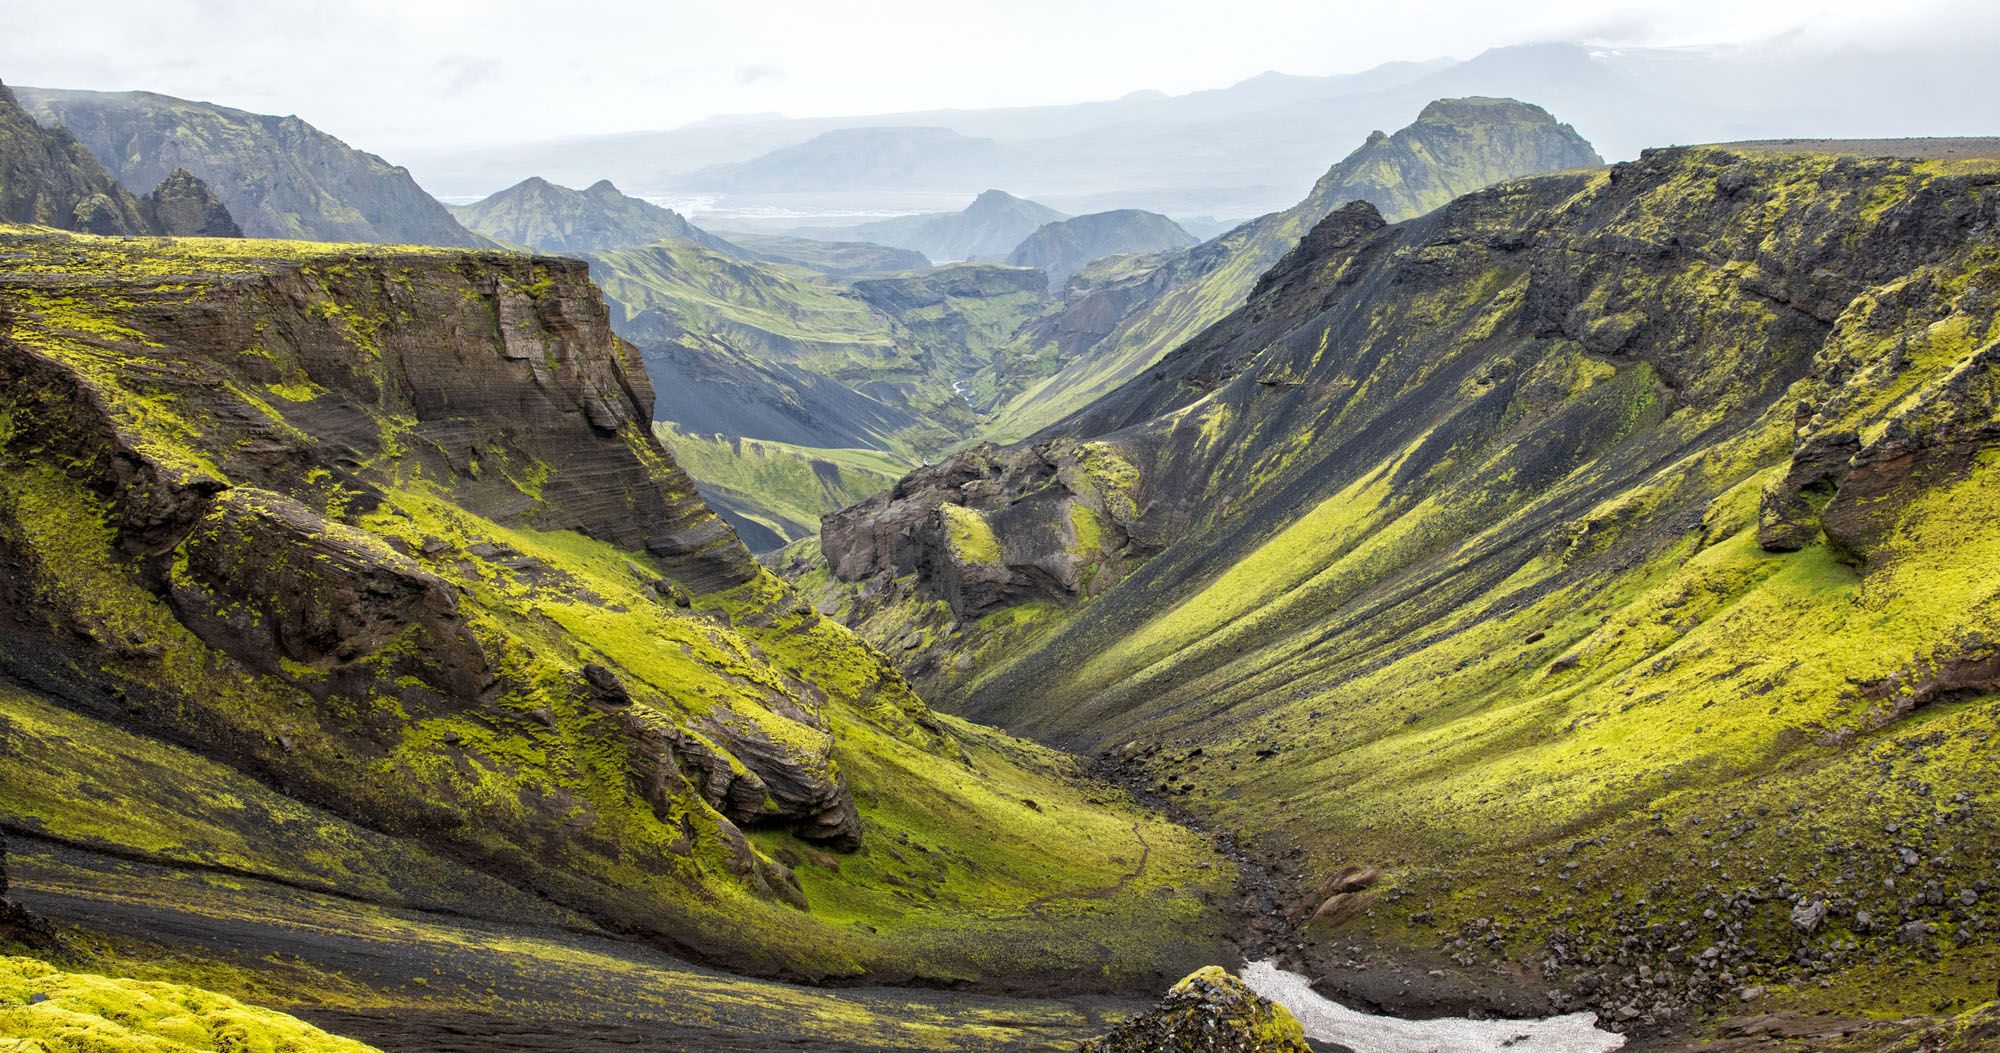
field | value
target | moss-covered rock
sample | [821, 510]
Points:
[1208, 1012]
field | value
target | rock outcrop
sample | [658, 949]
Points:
[184, 206]
[1208, 1012]
[991, 528]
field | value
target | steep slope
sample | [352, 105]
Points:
[385, 533]
[1600, 565]
[1062, 248]
[279, 176]
[856, 159]
[1454, 147]
[540, 215]
[988, 229]
[47, 177]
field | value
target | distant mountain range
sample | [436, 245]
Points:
[279, 176]
[988, 229]
[1255, 146]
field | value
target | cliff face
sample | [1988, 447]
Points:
[278, 176]
[389, 533]
[48, 178]
[1604, 533]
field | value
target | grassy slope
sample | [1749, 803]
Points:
[999, 888]
[775, 492]
[1530, 656]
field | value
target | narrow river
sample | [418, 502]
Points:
[1332, 1022]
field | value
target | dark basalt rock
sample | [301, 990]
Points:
[184, 206]
[266, 579]
[1209, 1012]
[1062, 518]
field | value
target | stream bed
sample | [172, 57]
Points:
[1330, 1021]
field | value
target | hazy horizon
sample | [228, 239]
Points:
[425, 78]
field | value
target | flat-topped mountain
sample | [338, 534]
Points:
[279, 176]
[855, 159]
[1062, 248]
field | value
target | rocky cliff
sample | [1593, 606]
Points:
[48, 178]
[1609, 539]
[278, 176]
[386, 539]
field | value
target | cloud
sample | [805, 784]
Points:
[460, 73]
[748, 75]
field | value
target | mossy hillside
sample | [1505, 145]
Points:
[46, 1010]
[535, 775]
[773, 493]
[1467, 579]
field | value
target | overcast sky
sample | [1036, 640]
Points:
[385, 74]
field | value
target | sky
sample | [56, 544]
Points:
[431, 73]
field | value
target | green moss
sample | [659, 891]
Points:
[971, 537]
[81, 1013]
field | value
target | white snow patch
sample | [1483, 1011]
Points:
[1330, 1021]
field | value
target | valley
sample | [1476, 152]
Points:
[1139, 592]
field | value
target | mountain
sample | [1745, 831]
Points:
[278, 176]
[540, 215]
[855, 159]
[1256, 146]
[1061, 248]
[1112, 330]
[357, 629]
[988, 229]
[1587, 580]
[48, 178]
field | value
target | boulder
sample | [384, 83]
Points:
[1210, 1012]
